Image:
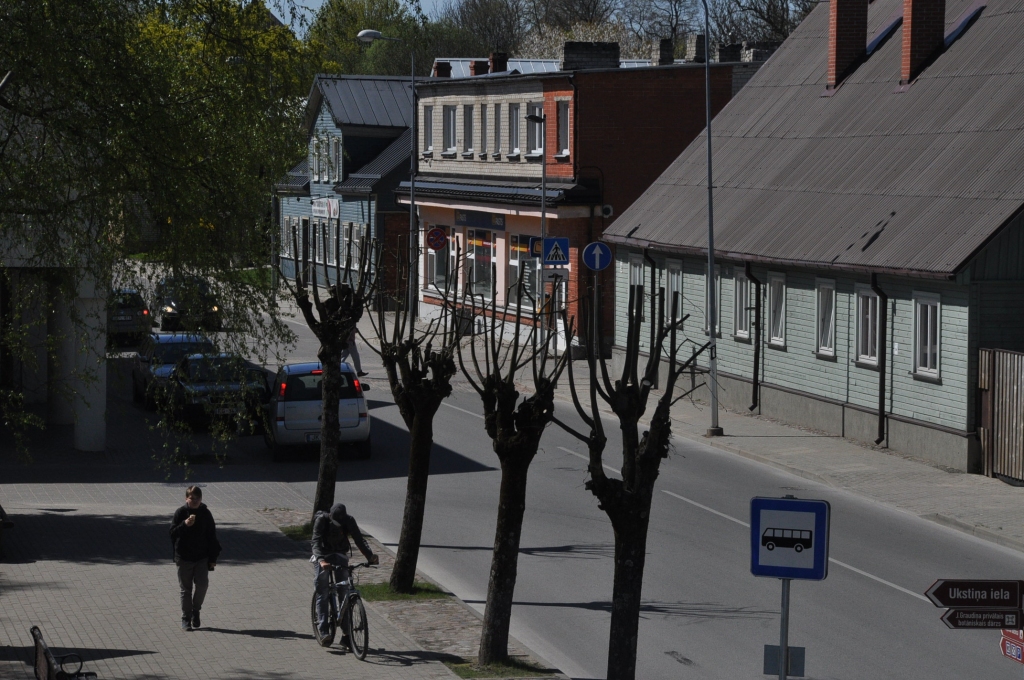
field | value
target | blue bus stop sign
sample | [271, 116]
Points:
[789, 538]
[597, 256]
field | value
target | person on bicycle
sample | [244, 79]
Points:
[331, 548]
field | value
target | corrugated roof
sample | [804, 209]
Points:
[460, 66]
[375, 101]
[364, 179]
[866, 179]
[523, 193]
[296, 181]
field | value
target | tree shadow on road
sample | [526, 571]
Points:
[262, 633]
[684, 610]
[26, 654]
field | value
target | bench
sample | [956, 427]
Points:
[49, 667]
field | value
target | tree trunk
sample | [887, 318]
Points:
[504, 562]
[422, 440]
[630, 556]
[330, 431]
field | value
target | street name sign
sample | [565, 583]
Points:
[789, 538]
[981, 618]
[597, 256]
[1012, 649]
[976, 594]
[556, 251]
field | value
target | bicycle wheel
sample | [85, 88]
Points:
[357, 628]
[324, 640]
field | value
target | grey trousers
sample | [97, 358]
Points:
[189, 574]
[352, 352]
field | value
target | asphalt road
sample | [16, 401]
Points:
[704, 614]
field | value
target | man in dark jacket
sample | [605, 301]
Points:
[331, 549]
[196, 549]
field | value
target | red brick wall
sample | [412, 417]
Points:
[553, 91]
[924, 26]
[847, 36]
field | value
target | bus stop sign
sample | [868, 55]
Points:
[789, 538]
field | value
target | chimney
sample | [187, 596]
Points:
[924, 27]
[498, 62]
[442, 69]
[478, 67]
[695, 48]
[730, 53]
[666, 53]
[581, 55]
[847, 37]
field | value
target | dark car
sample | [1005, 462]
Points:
[128, 318]
[155, 359]
[187, 302]
[206, 387]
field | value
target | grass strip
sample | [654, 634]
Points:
[513, 669]
[299, 532]
[382, 591]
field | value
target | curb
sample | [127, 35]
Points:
[976, 530]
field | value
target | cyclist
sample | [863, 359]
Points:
[331, 548]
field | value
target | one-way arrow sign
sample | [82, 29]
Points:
[976, 594]
[982, 618]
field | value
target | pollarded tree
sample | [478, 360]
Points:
[627, 501]
[332, 320]
[515, 426]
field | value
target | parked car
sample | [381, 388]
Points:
[209, 386]
[187, 302]
[128, 318]
[155, 359]
[296, 407]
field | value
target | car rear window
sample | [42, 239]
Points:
[128, 301]
[309, 387]
[172, 352]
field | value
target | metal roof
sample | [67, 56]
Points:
[363, 180]
[866, 179]
[372, 101]
[296, 181]
[522, 193]
[460, 66]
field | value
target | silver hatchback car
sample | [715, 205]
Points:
[296, 405]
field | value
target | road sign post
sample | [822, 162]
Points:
[597, 256]
[556, 251]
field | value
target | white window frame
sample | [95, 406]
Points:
[450, 132]
[513, 129]
[471, 260]
[497, 129]
[673, 284]
[636, 278]
[718, 300]
[776, 334]
[467, 128]
[444, 256]
[741, 306]
[518, 260]
[336, 156]
[824, 287]
[865, 299]
[314, 161]
[563, 128]
[932, 301]
[483, 129]
[535, 131]
[428, 128]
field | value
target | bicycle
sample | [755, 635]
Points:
[346, 611]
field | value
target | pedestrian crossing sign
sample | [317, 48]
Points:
[556, 251]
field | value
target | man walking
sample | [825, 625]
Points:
[196, 549]
[351, 350]
[331, 548]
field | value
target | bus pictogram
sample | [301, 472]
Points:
[797, 539]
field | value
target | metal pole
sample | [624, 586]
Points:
[414, 250]
[715, 430]
[784, 632]
[544, 227]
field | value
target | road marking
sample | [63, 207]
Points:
[831, 559]
[609, 468]
[476, 415]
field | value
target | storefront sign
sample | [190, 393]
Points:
[325, 207]
[479, 220]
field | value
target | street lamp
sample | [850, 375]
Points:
[368, 36]
[541, 120]
[715, 430]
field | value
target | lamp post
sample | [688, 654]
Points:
[715, 430]
[368, 36]
[541, 120]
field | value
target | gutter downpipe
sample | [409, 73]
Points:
[883, 313]
[756, 392]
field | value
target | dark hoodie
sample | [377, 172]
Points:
[331, 532]
[196, 542]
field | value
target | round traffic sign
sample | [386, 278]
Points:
[597, 256]
[437, 239]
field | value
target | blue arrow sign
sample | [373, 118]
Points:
[789, 538]
[556, 251]
[597, 256]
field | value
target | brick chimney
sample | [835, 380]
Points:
[847, 36]
[442, 69]
[498, 62]
[478, 67]
[665, 55]
[695, 48]
[924, 27]
[581, 55]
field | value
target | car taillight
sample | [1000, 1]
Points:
[359, 388]
[317, 371]
[145, 312]
[281, 392]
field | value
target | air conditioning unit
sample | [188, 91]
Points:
[606, 211]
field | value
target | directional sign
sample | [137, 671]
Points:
[1017, 635]
[556, 251]
[1012, 649]
[789, 538]
[437, 239]
[597, 256]
[976, 594]
[981, 618]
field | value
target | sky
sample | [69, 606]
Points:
[313, 5]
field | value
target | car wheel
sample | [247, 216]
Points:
[363, 449]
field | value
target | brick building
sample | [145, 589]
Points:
[609, 133]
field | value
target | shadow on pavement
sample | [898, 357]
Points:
[259, 633]
[383, 657]
[560, 551]
[24, 654]
[689, 610]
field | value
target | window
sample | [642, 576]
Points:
[718, 300]
[535, 131]
[439, 265]
[926, 335]
[467, 131]
[513, 129]
[428, 128]
[636, 278]
[449, 129]
[520, 264]
[674, 279]
[497, 130]
[314, 163]
[867, 326]
[483, 130]
[741, 306]
[777, 309]
[332, 241]
[286, 238]
[480, 253]
[826, 318]
[563, 128]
